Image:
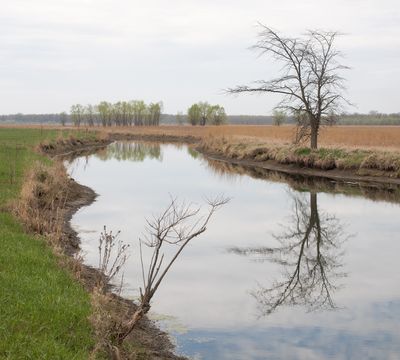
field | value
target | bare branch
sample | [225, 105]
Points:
[177, 225]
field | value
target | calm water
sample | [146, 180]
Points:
[279, 274]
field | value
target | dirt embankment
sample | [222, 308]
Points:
[361, 166]
[72, 145]
[374, 192]
[162, 138]
[350, 176]
[148, 340]
[49, 200]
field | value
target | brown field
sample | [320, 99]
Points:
[364, 137]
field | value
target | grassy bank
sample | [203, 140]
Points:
[359, 161]
[44, 311]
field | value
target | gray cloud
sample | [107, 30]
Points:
[55, 53]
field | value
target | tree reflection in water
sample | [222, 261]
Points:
[131, 151]
[310, 254]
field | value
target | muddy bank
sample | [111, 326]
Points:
[146, 341]
[151, 341]
[348, 176]
[71, 145]
[163, 138]
[374, 192]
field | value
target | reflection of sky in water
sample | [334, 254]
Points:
[208, 289]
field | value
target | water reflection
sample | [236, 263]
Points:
[193, 153]
[231, 171]
[301, 263]
[137, 151]
[310, 254]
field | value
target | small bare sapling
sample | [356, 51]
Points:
[113, 254]
[177, 225]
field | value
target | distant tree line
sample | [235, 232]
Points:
[372, 118]
[122, 113]
[32, 118]
[281, 118]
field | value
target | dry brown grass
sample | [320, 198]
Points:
[360, 161]
[364, 137]
[42, 199]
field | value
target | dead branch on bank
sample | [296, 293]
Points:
[179, 224]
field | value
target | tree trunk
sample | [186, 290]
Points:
[314, 124]
[313, 205]
[137, 316]
[314, 138]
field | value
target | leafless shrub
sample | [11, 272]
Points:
[113, 254]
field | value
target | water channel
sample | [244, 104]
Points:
[288, 269]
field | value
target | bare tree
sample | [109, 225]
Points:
[310, 80]
[177, 225]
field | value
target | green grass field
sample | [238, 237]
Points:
[43, 310]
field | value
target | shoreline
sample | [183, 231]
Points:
[295, 170]
[152, 342]
[368, 178]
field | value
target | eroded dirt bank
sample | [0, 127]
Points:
[292, 169]
[110, 310]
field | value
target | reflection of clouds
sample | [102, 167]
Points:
[296, 343]
[209, 288]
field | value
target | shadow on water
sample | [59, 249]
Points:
[310, 255]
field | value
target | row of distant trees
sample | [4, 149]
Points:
[372, 118]
[203, 113]
[280, 117]
[122, 113]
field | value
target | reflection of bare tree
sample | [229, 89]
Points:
[309, 252]
[131, 151]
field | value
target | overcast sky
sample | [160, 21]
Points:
[55, 53]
